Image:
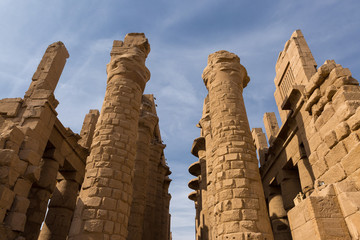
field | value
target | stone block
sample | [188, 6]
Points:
[32, 173]
[109, 227]
[30, 156]
[6, 197]
[332, 228]
[322, 150]
[338, 72]
[354, 121]
[109, 203]
[314, 142]
[7, 157]
[353, 224]
[232, 215]
[10, 106]
[349, 202]
[20, 204]
[330, 139]
[333, 175]
[8, 176]
[313, 99]
[22, 187]
[16, 221]
[342, 131]
[346, 110]
[89, 213]
[249, 214]
[335, 154]
[330, 92]
[296, 215]
[346, 80]
[92, 201]
[351, 141]
[351, 162]
[94, 225]
[319, 168]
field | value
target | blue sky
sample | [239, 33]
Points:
[181, 34]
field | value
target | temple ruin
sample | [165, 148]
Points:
[109, 182]
[300, 180]
[309, 166]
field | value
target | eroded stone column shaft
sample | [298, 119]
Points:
[147, 123]
[240, 209]
[103, 207]
[156, 150]
[60, 210]
[39, 196]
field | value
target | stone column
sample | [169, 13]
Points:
[88, 128]
[147, 123]
[162, 173]
[40, 193]
[290, 187]
[60, 210]
[271, 126]
[156, 151]
[278, 216]
[260, 144]
[206, 160]
[306, 176]
[165, 224]
[103, 206]
[240, 210]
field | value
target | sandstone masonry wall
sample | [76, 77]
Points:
[43, 164]
[311, 170]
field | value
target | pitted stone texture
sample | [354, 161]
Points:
[111, 161]
[237, 180]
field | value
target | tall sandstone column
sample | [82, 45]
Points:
[147, 123]
[239, 203]
[103, 207]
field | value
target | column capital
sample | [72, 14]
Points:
[128, 59]
[223, 63]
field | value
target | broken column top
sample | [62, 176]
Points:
[128, 59]
[49, 69]
[224, 61]
[132, 40]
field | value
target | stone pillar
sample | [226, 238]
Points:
[147, 122]
[156, 151]
[290, 187]
[103, 206]
[162, 173]
[88, 128]
[260, 144]
[271, 126]
[61, 209]
[278, 216]
[240, 210]
[206, 161]
[306, 176]
[165, 224]
[40, 193]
